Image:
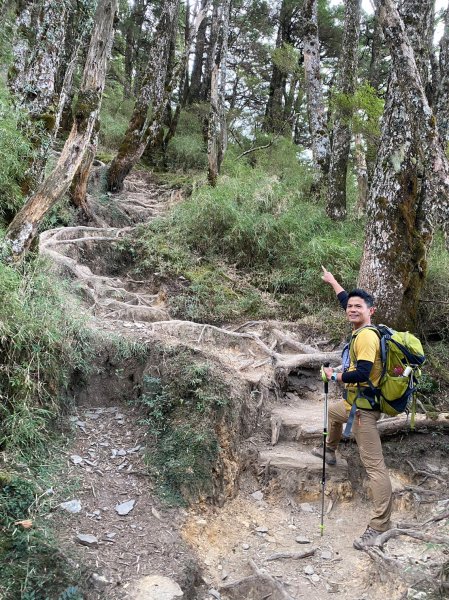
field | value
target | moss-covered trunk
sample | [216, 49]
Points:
[411, 179]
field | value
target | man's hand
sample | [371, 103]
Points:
[330, 279]
[327, 276]
[328, 372]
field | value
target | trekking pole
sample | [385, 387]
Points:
[323, 476]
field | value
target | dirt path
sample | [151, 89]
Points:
[277, 510]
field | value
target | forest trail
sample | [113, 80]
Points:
[229, 550]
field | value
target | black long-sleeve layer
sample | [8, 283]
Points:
[343, 299]
[363, 370]
[360, 375]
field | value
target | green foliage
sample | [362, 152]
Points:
[364, 108]
[41, 344]
[183, 405]
[114, 116]
[286, 58]
[15, 155]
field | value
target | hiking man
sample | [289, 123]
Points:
[365, 364]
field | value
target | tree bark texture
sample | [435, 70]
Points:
[341, 137]
[314, 90]
[361, 170]
[37, 51]
[442, 100]
[144, 124]
[217, 128]
[24, 226]
[411, 182]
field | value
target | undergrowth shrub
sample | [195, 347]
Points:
[183, 406]
[41, 344]
[187, 149]
[15, 154]
[114, 117]
[33, 567]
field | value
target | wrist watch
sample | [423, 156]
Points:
[334, 376]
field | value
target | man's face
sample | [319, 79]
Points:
[358, 312]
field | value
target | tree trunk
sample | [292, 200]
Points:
[24, 226]
[411, 180]
[362, 175]
[341, 137]
[314, 90]
[217, 128]
[143, 127]
[274, 112]
[38, 49]
[442, 100]
[194, 94]
[78, 189]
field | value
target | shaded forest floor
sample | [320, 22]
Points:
[264, 497]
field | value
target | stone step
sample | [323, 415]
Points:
[297, 471]
[303, 421]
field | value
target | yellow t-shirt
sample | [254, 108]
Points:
[365, 346]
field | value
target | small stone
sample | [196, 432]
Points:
[224, 575]
[111, 535]
[93, 416]
[119, 416]
[132, 450]
[80, 424]
[262, 529]
[212, 592]
[257, 495]
[121, 453]
[156, 513]
[201, 521]
[71, 506]
[86, 539]
[326, 555]
[245, 546]
[302, 540]
[315, 578]
[309, 570]
[155, 587]
[332, 587]
[125, 507]
[415, 595]
[306, 507]
[100, 581]
[76, 459]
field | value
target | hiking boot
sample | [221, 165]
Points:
[330, 459]
[368, 538]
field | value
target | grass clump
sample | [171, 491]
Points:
[15, 152]
[41, 345]
[33, 567]
[183, 406]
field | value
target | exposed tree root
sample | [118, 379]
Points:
[260, 585]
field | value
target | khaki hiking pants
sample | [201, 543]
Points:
[370, 450]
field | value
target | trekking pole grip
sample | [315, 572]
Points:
[326, 383]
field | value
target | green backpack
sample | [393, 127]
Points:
[402, 355]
